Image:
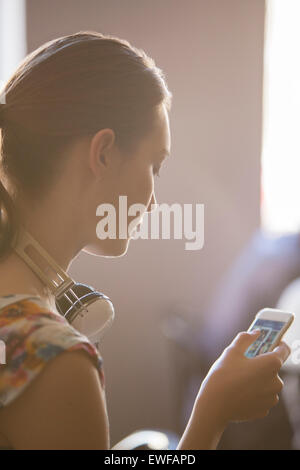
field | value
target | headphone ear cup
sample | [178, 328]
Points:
[96, 320]
[87, 310]
[72, 300]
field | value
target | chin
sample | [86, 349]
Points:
[108, 248]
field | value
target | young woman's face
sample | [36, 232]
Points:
[133, 178]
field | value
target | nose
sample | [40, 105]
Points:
[152, 204]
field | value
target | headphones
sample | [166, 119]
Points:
[89, 311]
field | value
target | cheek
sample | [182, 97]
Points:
[141, 192]
[142, 188]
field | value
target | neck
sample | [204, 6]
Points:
[18, 277]
[53, 223]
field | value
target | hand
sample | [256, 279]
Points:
[238, 388]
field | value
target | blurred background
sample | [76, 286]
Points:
[232, 68]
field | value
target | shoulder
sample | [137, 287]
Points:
[64, 408]
[52, 382]
[34, 336]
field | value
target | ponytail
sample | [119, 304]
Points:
[8, 213]
[8, 222]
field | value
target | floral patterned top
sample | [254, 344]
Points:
[30, 336]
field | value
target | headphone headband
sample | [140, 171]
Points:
[90, 311]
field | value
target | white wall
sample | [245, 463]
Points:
[212, 53]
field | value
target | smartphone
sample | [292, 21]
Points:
[272, 323]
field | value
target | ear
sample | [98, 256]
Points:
[101, 151]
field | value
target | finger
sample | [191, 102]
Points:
[260, 415]
[282, 350]
[267, 402]
[275, 386]
[273, 361]
[280, 353]
[244, 339]
[273, 401]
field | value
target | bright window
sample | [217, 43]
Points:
[13, 46]
[281, 137]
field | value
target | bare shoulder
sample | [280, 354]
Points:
[64, 407]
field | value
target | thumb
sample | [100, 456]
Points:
[244, 339]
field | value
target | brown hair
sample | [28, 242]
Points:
[70, 87]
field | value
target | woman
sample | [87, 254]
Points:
[85, 120]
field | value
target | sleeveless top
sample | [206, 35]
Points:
[30, 336]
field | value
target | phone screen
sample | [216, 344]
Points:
[269, 332]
